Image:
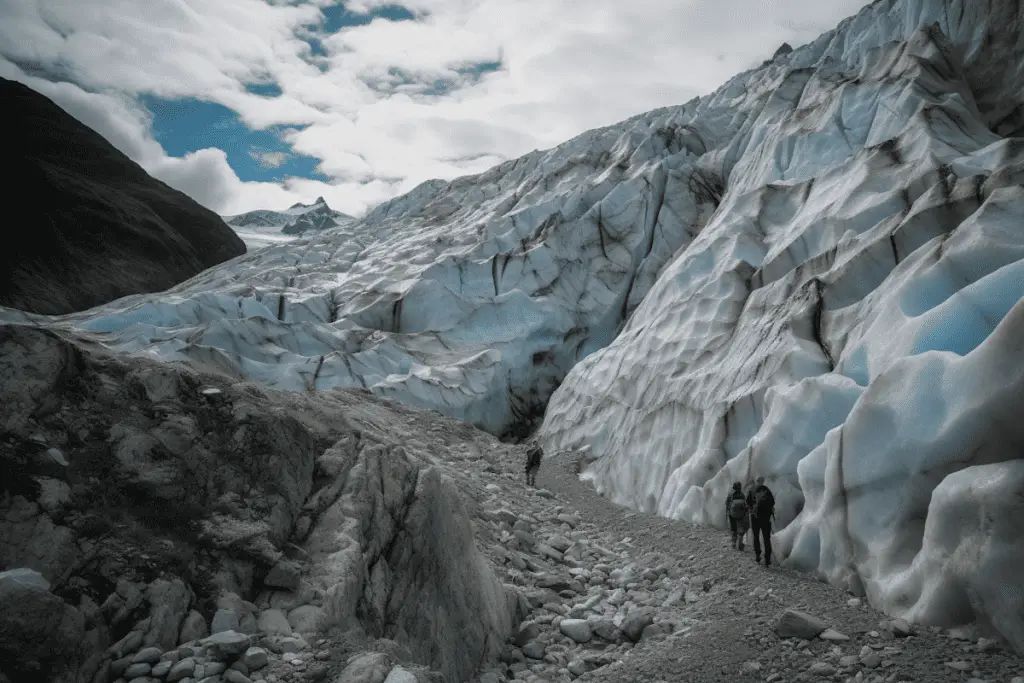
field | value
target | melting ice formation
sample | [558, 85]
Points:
[814, 273]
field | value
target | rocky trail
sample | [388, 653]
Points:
[619, 595]
[161, 525]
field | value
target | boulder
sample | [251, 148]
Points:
[224, 620]
[285, 574]
[226, 644]
[273, 622]
[525, 634]
[400, 675]
[636, 621]
[577, 629]
[37, 628]
[796, 624]
[372, 667]
[193, 627]
[254, 659]
[305, 619]
[535, 649]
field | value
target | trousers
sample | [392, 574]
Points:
[763, 532]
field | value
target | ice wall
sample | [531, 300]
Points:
[850, 321]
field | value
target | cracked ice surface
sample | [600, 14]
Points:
[473, 297]
[850, 321]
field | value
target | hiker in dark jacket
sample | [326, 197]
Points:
[533, 455]
[738, 513]
[762, 510]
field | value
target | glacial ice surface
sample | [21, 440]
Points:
[814, 273]
[850, 321]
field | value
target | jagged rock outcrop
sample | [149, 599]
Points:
[86, 224]
[185, 501]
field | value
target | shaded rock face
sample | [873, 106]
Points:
[87, 225]
[190, 497]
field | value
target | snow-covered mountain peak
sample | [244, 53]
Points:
[263, 227]
[812, 274]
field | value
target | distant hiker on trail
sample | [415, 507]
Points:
[533, 455]
[762, 510]
[738, 512]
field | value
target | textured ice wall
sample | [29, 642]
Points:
[473, 297]
[849, 323]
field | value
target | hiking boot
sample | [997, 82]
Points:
[741, 547]
[757, 558]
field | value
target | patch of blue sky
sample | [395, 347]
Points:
[187, 125]
[337, 17]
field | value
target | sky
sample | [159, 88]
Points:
[247, 104]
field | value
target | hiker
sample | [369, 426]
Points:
[533, 455]
[762, 511]
[737, 511]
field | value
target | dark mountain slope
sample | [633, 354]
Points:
[84, 223]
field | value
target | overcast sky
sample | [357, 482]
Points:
[249, 104]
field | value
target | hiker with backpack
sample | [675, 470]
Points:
[762, 511]
[533, 456]
[738, 512]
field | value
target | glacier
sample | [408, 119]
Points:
[814, 274]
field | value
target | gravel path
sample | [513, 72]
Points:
[734, 638]
[709, 610]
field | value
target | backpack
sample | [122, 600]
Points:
[764, 503]
[738, 507]
[533, 457]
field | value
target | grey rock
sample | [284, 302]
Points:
[367, 668]
[833, 635]
[605, 629]
[23, 577]
[57, 456]
[168, 604]
[147, 655]
[273, 622]
[234, 676]
[224, 620]
[137, 670]
[871, 660]
[652, 631]
[162, 669]
[525, 634]
[214, 668]
[901, 628]
[36, 625]
[535, 649]
[636, 621]
[119, 666]
[559, 543]
[284, 574]
[255, 658]
[181, 670]
[796, 624]
[305, 619]
[400, 675]
[193, 628]
[226, 644]
[821, 669]
[577, 629]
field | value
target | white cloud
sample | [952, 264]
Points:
[566, 67]
[269, 159]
